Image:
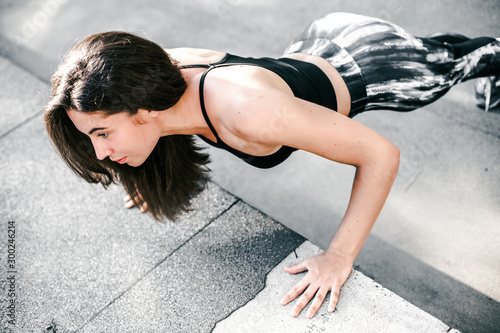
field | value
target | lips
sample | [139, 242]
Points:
[121, 160]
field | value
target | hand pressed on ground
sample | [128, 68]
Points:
[327, 271]
[129, 203]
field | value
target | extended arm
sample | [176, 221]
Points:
[273, 118]
[329, 271]
[376, 160]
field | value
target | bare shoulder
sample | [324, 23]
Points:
[188, 56]
[243, 103]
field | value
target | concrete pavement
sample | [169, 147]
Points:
[435, 242]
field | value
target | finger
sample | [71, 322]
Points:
[129, 204]
[316, 304]
[127, 198]
[304, 300]
[294, 292]
[334, 298]
[298, 268]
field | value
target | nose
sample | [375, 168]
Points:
[101, 149]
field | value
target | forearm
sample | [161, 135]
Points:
[372, 184]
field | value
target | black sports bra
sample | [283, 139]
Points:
[307, 81]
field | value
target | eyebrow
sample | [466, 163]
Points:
[96, 129]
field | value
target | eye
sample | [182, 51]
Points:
[102, 135]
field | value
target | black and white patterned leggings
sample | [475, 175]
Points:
[387, 68]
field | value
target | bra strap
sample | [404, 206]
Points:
[202, 103]
[209, 67]
[195, 66]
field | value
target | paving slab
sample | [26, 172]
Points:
[364, 306]
[215, 273]
[21, 95]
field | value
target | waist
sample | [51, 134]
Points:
[338, 83]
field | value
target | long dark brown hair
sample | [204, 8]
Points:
[120, 72]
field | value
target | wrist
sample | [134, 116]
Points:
[346, 256]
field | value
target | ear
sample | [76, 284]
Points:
[146, 116]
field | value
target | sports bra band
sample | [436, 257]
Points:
[305, 80]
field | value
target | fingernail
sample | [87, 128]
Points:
[294, 313]
[308, 316]
[282, 302]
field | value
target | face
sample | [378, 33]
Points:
[121, 137]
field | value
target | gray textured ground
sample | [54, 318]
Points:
[435, 243]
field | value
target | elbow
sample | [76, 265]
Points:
[380, 160]
[392, 157]
[383, 160]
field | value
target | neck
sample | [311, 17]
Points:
[186, 117]
[183, 118]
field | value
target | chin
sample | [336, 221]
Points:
[136, 163]
[133, 164]
[138, 160]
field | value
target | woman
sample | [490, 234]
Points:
[125, 110]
